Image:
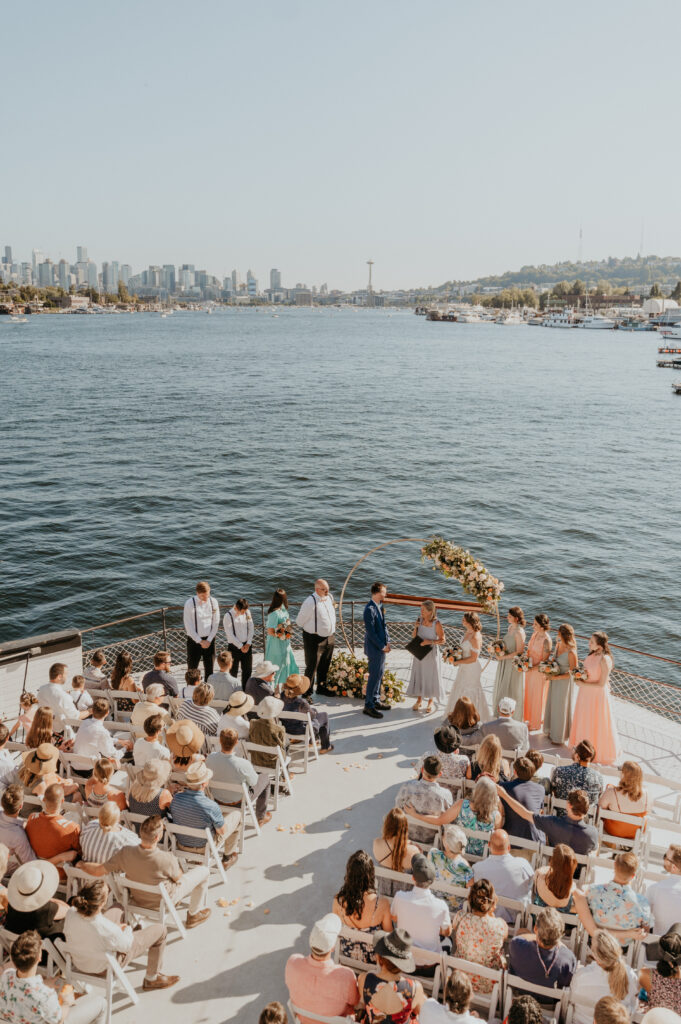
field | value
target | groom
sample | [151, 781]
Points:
[376, 646]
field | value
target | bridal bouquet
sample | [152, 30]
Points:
[579, 672]
[452, 654]
[522, 663]
[549, 668]
[284, 631]
[498, 647]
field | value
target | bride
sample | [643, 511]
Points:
[467, 681]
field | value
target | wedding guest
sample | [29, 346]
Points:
[192, 678]
[508, 681]
[426, 674]
[424, 916]
[393, 849]
[231, 769]
[240, 704]
[376, 646]
[148, 795]
[457, 1000]
[524, 1010]
[95, 677]
[541, 958]
[39, 771]
[513, 735]
[663, 982]
[558, 709]
[79, 695]
[93, 739]
[537, 759]
[467, 685]
[12, 827]
[223, 682]
[294, 687]
[317, 619]
[8, 766]
[262, 682]
[98, 788]
[151, 744]
[125, 704]
[528, 793]
[28, 705]
[609, 1010]
[388, 996]
[201, 622]
[451, 867]
[267, 731]
[273, 1013]
[52, 836]
[606, 975]
[122, 667]
[615, 905]
[578, 775]
[454, 764]
[152, 705]
[192, 806]
[489, 762]
[359, 906]
[628, 797]
[593, 717]
[239, 630]
[479, 934]
[31, 902]
[479, 813]
[101, 837]
[464, 716]
[536, 683]
[42, 728]
[185, 740]
[277, 646]
[571, 829]
[425, 796]
[197, 709]
[554, 883]
[664, 896]
[511, 876]
[160, 675]
[315, 983]
[54, 696]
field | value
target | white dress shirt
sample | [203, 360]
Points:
[93, 739]
[9, 769]
[239, 627]
[55, 696]
[317, 615]
[423, 915]
[201, 619]
[511, 877]
[241, 725]
[145, 750]
[590, 983]
[90, 938]
[665, 902]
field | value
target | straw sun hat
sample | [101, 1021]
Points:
[43, 760]
[184, 738]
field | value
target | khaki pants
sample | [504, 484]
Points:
[151, 938]
[195, 882]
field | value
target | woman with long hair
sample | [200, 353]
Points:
[122, 667]
[593, 719]
[277, 645]
[467, 683]
[393, 848]
[479, 934]
[508, 681]
[628, 797]
[554, 884]
[558, 710]
[426, 675]
[359, 906]
[480, 813]
[41, 729]
[386, 995]
[465, 717]
[607, 975]
[663, 983]
[489, 762]
[536, 683]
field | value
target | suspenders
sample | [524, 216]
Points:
[212, 613]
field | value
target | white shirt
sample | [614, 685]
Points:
[144, 751]
[433, 1012]
[240, 725]
[510, 876]
[9, 769]
[239, 627]
[202, 614]
[89, 938]
[589, 984]
[93, 739]
[82, 699]
[423, 915]
[317, 615]
[665, 902]
[95, 678]
[55, 696]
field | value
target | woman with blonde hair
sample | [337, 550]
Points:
[481, 812]
[426, 674]
[98, 789]
[607, 975]
[489, 762]
[558, 710]
[393, 848]
[508, 681]
[593, 718]
[104, 835]
[628, 797]
[467, 682]
[39, 770]
[148, 795]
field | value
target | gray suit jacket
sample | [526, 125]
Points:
[512, 734]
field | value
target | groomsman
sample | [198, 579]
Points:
[201, 621]
[238, 623]
[317, 619]
[376, 646]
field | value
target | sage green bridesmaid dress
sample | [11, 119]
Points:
[508, 681]
[558, 710]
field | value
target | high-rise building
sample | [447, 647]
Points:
[115, 273]
[110, 278]
[36, 259]
[275, 280]
[186, 279]
[64, 275]
[26, 273]
[251, 284]
[92, 274]
[125, 274]
[81, 254]
[227, 285]
[236, 281]
[8, 255]
[45, 274]
[169, 277]
[154, 277]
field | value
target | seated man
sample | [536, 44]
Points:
[541, 958]
[527, 792]
[261, 683]
[315, 983]
[93, 740]
[572, 829]
[227, 767]
[615, 906]
[54, 696]
[579, 775]
[161, 674]
[52, 836]
[197, 709]
[150, 745]
[664, 897]
[510, 876]
[512, 735]
[191, 807]
[224, 684]
[419, 912]
[12, 827]
[155, 695]
[426, 796]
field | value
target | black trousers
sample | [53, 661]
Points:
[196, 654]
[241, 661]
[318, 655]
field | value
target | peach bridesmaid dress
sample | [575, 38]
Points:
[593, 718]
[536, 684]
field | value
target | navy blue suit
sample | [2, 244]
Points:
[375, 639]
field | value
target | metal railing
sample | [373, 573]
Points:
[165, 631]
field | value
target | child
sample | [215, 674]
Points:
[79, 695]
[192, 678]
[28, 705]
[95, 679]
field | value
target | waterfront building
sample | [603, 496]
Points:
[169, 277]
[64, 274]
[154, 277]
[186, 279]
[251, 284]
[92, 279]
[275, 279]
[46, 274]
[109, 277]
[125, 274]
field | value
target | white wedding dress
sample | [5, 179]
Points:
[467, 684]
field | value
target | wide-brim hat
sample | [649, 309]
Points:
[32, 885]
[395, 946]
[240, 703]
[265, 668]
[184, 738]
[197, 774]
[447, 739]
[654, 950]
[297, 684]
[150, 778]
[269, 707]
[43, 760]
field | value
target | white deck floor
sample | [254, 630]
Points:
[234, 964]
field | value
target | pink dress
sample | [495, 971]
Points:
[593, 719]
[536, 684]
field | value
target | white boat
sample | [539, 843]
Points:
[512, 319]
[596, 322]
[18, 319]
[469, 318]
[563, 319]
[671, 333]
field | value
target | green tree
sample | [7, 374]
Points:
[578, 287]
[656, 292]
[676, 294]
[123, 293]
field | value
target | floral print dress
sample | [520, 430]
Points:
[480, 939]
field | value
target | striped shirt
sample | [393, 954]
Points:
[193, 808]
[98, 846]
[205, 717]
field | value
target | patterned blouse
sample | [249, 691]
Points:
[27, 1000]
[617, 906]
[665, 992]
[567, 777]
[454, 766]
[480, 939]
[467, 819]
[451, 871]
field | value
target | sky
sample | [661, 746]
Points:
[443, 139]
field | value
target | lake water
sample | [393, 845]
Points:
[140, 454]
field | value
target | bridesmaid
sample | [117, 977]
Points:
[558, 710]
[426, 675]
[536, 683]
[508, 681]
[277, 649]
[593, 711]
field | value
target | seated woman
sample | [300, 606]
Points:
[41, 729]
[39, 770]
[267, 731]
[663, 982]
[197, 709]
[125, 704]
[606, 975]
[554, 884]
[393, 849]
[450, 866]
[481, 813]
[185, 741]
[466, 719]
[479, 935]
[386, 994]
[489, 762]
[457, 1001]
[148, 795]
[31, 903]
[359, 906]
[455, 765]
[98, 788]
[294, 687]
[537, 759]
[104, 836]
[628, 797]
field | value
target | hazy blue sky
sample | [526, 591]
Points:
[444, 139]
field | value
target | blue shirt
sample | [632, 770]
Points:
[193, 808]
[580, 836]
[531, 796]
[550, 968]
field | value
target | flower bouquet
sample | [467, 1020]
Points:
[348, 675]
[284, 631]
[522, 663]
[549, 668]
[452, 654]
[579, 672]
[498, 647]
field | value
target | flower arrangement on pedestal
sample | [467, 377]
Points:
[459, 564]
[348, 676]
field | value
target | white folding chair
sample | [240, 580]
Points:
[278, 771]
[298, 1012]
[635, 845]
[222, 791]
[573, 926]
[135, 911]
[208, 853]
[558, 996]
[113, 978]
[301, 744]
[488, 1002]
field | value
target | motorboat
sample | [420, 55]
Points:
[596, 322]
[672, 333]
[18, 319]
[564, 318]
[470, 318]
[512, 319]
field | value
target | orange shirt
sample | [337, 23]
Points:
[52, 834]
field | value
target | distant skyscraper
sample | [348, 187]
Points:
[154, 277]
[36, 259]
[275, 280]
[81, 254]
[64, 275]
[45, 274]
[110, 278]
[92, 274]
[251, 283]
[125, 274]
[236, 281]
[8, 254]
[227, 285]
[169, 277]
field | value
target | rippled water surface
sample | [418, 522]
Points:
[140, 454]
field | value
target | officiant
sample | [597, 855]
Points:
[425, 681]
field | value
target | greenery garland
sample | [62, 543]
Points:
[459, 564]
[348, 675]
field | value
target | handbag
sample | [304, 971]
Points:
[417, 649]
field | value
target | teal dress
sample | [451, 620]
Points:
[509, 682]
[558, 711]
[279, 651]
